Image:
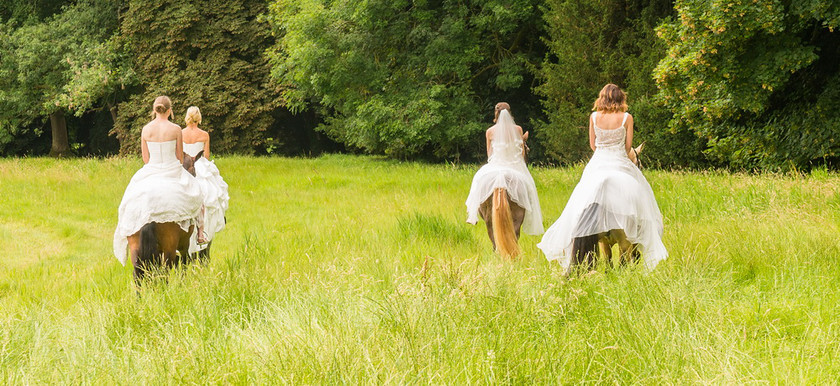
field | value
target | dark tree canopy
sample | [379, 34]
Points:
[741, 84]
[205, 53]
[760, 79]
[407, 78]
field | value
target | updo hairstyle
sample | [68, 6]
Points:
[193, 115]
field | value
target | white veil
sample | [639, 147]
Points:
[507, 142]
[506, 169]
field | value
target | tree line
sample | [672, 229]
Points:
[742, 84]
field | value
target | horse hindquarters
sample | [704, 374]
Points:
[503, 228]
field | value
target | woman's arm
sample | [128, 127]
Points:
[179, 146]
[628, 145]
[489, 136]
[144, 149]
[207, 146]
[592, 132]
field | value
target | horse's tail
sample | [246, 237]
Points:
[583, 250]
[149, 249]
[503, 234]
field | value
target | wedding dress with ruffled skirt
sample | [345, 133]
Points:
[161, 191]
[506, 169]
[612, 194]
[214, 190]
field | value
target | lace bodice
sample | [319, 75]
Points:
[161, 152]
[193, 148]
[505, 153]
[609, 138]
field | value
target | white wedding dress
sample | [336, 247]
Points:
[506, 169]
[161, 191]
[214, 190]
[612, 194]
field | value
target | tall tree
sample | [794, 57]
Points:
[68, 63]
[407, 78]
[207, 53]
[760, 79]
[592, 43]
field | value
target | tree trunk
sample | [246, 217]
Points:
[60, 143]
[113, 109]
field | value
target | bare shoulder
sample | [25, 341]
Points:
[489, 132]
[204, 134]
[629, 117]
[173, 130]
[144, 133]
[519, 129]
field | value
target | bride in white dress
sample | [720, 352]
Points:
[505, 169]
[213, 187]
[162, 191]
[612, 193]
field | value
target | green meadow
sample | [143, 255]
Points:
[345, 269]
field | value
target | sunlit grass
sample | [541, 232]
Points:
[346, 269]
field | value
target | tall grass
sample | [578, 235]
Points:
[348, 269]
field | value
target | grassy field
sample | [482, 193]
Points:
[348, 269]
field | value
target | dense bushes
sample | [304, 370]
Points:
[736, 83]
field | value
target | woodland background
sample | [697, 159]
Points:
[737, 84]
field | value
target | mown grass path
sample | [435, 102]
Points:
[358, 270]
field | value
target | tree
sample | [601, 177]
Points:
[592, 43]
[207, 53]
[407, 78]
[758, 79]
[67, 63]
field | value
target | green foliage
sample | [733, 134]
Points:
[18, 12]
[403, 78]
[592, 43]
[207, 53]
[757, 79]
[69, 62]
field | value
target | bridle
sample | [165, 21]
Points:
[638, 160]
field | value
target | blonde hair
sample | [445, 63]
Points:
[499, 107]
[193, 115]
[161, 105]
[611, 100]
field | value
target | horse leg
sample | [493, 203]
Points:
[518, 214]
[168, 235]
[628, 250]
[606, 248]
[485, 212]
[583, 251]
[136, 261]
[204, 254]
[184, 244]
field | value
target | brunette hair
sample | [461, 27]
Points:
[499, 107]
[611, 100]
[161, 105]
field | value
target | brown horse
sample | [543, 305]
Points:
[504, 221]
[161, 244]
[584, 249]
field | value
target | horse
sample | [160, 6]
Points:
[584, 249]
[161, 244]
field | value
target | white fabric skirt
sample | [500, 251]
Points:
[520, 187]
[158, 192]
[612, 194]
[214, 189]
